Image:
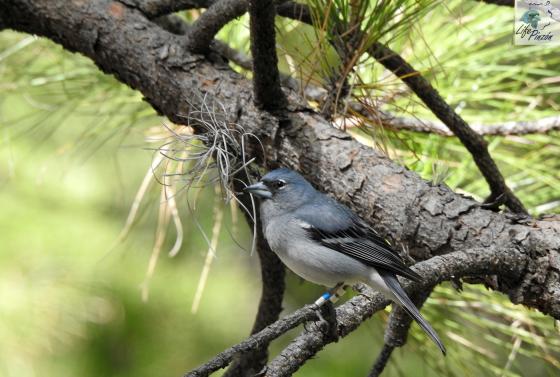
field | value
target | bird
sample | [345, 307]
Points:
[325, 242]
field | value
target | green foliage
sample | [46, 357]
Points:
[347, 26]
[375, 19]
[466, 52]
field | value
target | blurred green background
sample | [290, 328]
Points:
[76, 146]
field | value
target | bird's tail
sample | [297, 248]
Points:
[405, 302]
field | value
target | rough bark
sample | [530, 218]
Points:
[431, 221]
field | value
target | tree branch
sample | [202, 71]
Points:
[508, 3]
[158, 8]
[218, 14]
[266, 80]
[270, 306]
[352, 313]
[254, 342]
[176, 25]
[472, 141]
[429, 220]
[382, 360]
[540, 126]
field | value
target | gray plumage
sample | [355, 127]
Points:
[324, 242]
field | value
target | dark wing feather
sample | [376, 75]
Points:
[336, 227]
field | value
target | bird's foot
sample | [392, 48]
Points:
[325, 310]
[326, 320]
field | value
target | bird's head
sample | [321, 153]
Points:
[284, 187]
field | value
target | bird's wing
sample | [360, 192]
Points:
[335, 226]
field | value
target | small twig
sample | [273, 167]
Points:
[205, 28]
[266, 81]
[338, 89]
[295, 11]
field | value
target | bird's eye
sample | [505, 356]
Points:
[279, 184]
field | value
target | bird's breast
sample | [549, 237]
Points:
[311, 261]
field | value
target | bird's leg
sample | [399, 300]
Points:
[324, 305]
[331, 295]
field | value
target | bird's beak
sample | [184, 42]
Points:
[259, 189]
